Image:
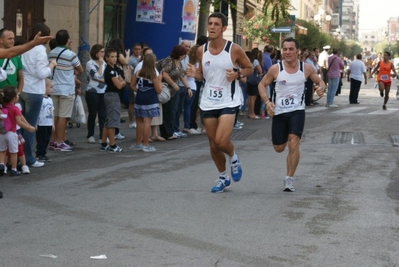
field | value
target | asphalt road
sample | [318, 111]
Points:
[156, 209]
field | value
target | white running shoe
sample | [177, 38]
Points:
[133, 125]
[289, 184]
[25, 169]
[91, 140]
[119, 136]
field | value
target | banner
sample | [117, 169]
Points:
[189, 16]
[149, 11]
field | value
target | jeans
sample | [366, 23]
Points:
[177, 107]
[332, 89]
[43, 135]
[31, 105]
[96, 106]
[188, 101]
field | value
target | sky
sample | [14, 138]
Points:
[374, 14]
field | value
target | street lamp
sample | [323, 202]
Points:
[321, 18]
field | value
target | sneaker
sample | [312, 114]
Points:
[237, 126]
[182, 135]
[104, 148]
[149, 149]
[119, 136]
[91, 140]
[25, 169]
[221, 185]
[15, 173]
[289, 184]
[176, 135]
[114, 150]
[136, 147]
[37, 164]
[240, 123]
[133, 125]
[375, 85]
[236, 170]
[384, 107]
[44, 159]
[331, 106]
[62, 147]
[195, 131]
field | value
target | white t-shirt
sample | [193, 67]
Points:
[357, 69]
[46, 112]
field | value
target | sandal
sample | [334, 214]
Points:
[150, 140]
[159, 138]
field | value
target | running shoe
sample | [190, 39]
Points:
[136, 147]
[44, 159]
[25, 169]
[62, 147]
[91, 140]
[133, 125]
[221, 184]
[289, 184]
[149, 149]
[236, 170]
[237, 126]
[384, 107]
[119, 136]
[15, 173]
[115, 149]
[104, 148]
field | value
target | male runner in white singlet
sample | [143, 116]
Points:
[288, 104]
[222, 64]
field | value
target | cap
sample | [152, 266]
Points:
[326, 47]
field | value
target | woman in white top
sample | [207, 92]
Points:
[95, 91]
[36, 70]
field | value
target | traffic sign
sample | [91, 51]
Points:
[281, 30]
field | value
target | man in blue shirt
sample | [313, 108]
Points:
[267, 60]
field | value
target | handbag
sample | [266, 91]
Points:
[254, 78]
[164, 96]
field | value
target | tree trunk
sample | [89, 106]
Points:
[203, 17]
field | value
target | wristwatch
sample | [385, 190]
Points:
[239, 73]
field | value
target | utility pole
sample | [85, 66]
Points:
[84, 46]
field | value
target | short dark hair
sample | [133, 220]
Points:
[94, 50]
[39, 27]
[220, 16]
[335, 51]
[62, 37]
[359, 56]
[290, 39]
[268, 48]
[108, 51]
[177, 51]
[2, 32]
[389, 54]
[52, 44]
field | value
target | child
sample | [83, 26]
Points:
[45, 124]
[114, 83]
[21, 141]
[10, 139]
[147, 84]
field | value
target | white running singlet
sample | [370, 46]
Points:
[218, 93]
[290, 90]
